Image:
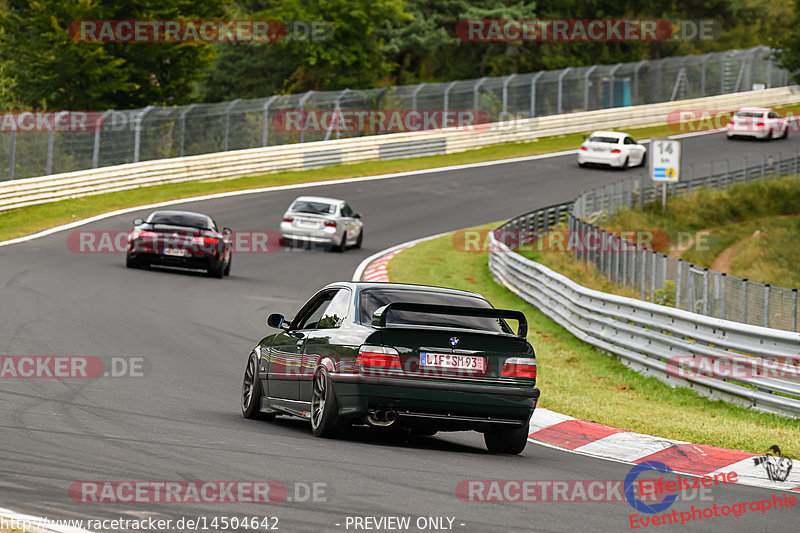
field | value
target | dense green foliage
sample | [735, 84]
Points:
[371, 43]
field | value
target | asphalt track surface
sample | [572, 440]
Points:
[182, 420]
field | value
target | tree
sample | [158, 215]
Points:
[351, 55]
[53, 71]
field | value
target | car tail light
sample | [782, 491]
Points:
[330, 224]
[519, 367]
[288, 219]
[584, 148]
[143, 233]
[378, 357]
[206, 240]
[760, 125]
[730, 122]
[616, 151]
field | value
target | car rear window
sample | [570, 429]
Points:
[612, 140]
[750, 114]
[180, 219]
[372, 299]
[317, 208]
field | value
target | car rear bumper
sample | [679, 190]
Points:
[191, 261]
[599, 158]
[747, 132]
[443, 404]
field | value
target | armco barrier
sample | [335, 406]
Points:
[647, 337]
[233, 164]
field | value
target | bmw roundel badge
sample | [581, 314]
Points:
[454, 341]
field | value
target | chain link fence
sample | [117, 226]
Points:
[672, 281]
[164, 132]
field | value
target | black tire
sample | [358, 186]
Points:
[582, 165]
[130, 262]
[625, 164]
[424, 432]
[360, 240]
[325, 421]
[251, 392]
[340, 247]
[643, 162]
[227, 271]
[785, 132]
[217, 270]
[508, 441]
[768, 136]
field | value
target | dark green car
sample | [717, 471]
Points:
[425, 359]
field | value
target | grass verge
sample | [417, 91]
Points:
[27, 220]
[580, 381]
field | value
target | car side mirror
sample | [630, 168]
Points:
[138, 222]
[227, 231]
[276, 320]
[356, 215]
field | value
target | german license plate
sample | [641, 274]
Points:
[449, 360]
[176, 252]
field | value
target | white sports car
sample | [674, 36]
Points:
[612, 148]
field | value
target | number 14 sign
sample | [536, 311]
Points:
[665, 160]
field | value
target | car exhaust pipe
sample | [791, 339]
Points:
[381, 417]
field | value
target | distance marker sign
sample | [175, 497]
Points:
[665, 160]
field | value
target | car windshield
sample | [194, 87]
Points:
[180, 219]
[317, 208]
[600, 139]
[372, 299]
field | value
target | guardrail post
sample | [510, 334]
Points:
[301, 104]
[723, 288]
[505, 95]
[137, 133]
[642, 269]
[744, 300]
[559, 98]
[96, 148]
[182, 121]
[228, 123]
[705, 291]
[653, 259]
[641, 63]
[766, 305]
[12, 152]
[586, 87]
[475, 91]
[265, 120]
[703, 76]
[678, 283]
[794, 309]
[617, 252]
[414, 96]
[446, 105]
[533, 93]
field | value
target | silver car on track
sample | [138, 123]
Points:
[326, 221]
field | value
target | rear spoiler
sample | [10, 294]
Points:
[380, 315]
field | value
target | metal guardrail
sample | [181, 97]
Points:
[696, 289]
[645, 336]
[155, 133]
[233, 164]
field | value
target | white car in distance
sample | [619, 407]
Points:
[326, 221]
[757, 122]
[612, 148]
